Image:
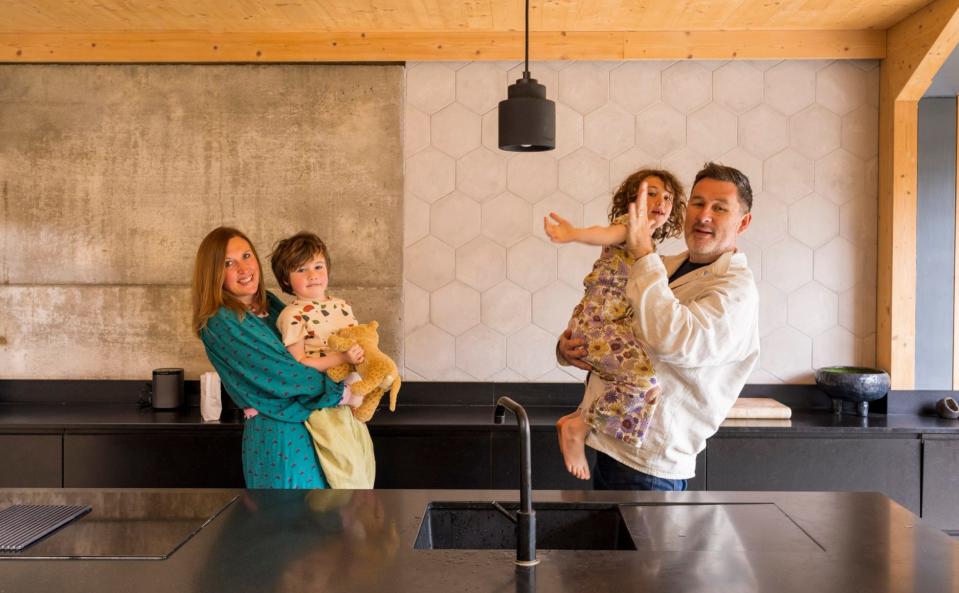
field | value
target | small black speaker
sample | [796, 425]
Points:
[167, 389]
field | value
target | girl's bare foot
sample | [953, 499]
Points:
[572, 431]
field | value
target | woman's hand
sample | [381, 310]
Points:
[639, 229]
[572, 351]
[355, 354]
[249, 413]
[561, 232]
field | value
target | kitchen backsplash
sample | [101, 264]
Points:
[486, 293]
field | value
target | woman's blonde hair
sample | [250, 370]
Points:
[209, 273]
[630, 187]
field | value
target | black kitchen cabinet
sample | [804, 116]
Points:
[433, 459]
[940, 481]
[887, 465]
[181, 459]
[31, 461]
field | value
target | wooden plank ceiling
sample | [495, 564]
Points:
[383, 16]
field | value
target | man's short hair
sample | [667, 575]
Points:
[732, 175]
[291, 253]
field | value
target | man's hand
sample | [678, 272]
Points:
[639, 234]
[573, 351]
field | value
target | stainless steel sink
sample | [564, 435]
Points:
[559, 526]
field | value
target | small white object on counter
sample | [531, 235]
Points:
[211, 403]
[759, 407]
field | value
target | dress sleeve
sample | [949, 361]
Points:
[258, 372]
[290, 325]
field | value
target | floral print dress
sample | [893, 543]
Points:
[603, 319]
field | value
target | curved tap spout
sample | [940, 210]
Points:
[526, 517]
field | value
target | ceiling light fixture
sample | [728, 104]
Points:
[527, 119]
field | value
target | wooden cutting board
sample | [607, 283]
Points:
[759, 407]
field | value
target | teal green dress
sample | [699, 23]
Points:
[258, 372]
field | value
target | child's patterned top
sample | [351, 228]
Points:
[314, 322]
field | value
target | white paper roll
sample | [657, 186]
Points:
[211, 403]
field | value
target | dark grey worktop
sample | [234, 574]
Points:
[362, 541]
[55, 418]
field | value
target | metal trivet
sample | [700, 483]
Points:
[23, 524]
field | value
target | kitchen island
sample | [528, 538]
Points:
[298, 541]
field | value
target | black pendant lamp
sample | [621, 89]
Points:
[527, 119]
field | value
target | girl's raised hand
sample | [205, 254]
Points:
[639, 235]
[561, 231]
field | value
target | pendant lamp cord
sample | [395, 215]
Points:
[526, 70]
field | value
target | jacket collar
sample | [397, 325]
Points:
[720, 267]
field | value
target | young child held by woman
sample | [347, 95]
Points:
[603, 318]
[301, 264]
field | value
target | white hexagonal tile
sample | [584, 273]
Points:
[815, 131]
[569, 131]
[575, 262]
[859, 221]
[763, 131]
[430, 174]
[754, 256]
[554, 375]
[584, 175]
[596, 212]
[635, 85]
[507, 376]
[787, 265]
[563, 206]
[455, 308]
[791, 85]
[481, 352]
[749, 165]
[481, 264]
[416, 220]
[860, 131]
[841, 177]
[867, 351]
[738, 86]
[481, 174]
[857, 309]
[838, 265]
[870, 267]
[841, 87]
[416, 131]
[813, 220]
[532, 175]
[480, 86]
[416, 307]
[429, 263]
[430, 86]
[761, 377]
[770, 220]
[531, 352]
[836, 347]
[684, 164]
[455, 219]
[813, 309]
[872, 87]
[542, 72]
[772, 308]
[531, 263]
[788, 175]
[687, 86]
[660, 129]
[506, 308]
[584, 86]
[507, 219]
[553, 305]
[628, 163]
[711, 131]
[609, 130]
[578, 375]
[489, 126]
[787, 354]
[455, 130]
[428, 351]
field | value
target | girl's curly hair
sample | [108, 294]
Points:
[630, 188]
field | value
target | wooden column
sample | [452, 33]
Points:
[915, 50]
[955, 281]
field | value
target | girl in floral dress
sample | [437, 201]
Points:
[602, 318]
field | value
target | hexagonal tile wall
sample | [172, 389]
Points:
[485, 292]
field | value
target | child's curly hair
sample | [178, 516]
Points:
[630, 188]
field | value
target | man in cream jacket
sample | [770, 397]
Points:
[697, 315]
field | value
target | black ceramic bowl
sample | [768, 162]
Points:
[853, 384]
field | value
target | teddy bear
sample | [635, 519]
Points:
[378, 371]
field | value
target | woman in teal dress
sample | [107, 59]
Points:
[235, 318]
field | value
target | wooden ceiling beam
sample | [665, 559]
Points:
[916, 49]
[205, 47]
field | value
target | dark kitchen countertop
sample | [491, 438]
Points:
[358, 542]
[57, 418]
